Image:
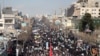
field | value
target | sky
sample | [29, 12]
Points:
[34, 7]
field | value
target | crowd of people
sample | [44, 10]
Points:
[56, 41]
[62, 44]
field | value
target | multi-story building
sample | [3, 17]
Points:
[95, 12]
[7, 19]
[89, 3]
[1, 24]
[1, 21]
[80, 7]
[62, 21]
[85, 6]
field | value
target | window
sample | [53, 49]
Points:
[65, 20]
[99, 9]
[82, 13]
[8, 20]
[99, 13]
[83, 5]
[1, 25]
[87, 10]
[93, 9]
[93, 13]
[82, 9]
[96, 4]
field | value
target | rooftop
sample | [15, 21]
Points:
[7, 10]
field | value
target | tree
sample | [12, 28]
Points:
[97, 23]
[86, 20]
[45, 20]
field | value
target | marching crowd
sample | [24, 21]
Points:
[62, 45]
[54, 42]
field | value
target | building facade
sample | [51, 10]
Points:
[94, 11]
[85, 6]
[7, 20]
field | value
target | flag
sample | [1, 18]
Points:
[50, 51]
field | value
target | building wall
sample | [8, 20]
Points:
[9, 17]
[66, 22]
[83, 6]
[70, 11]
[94, 11]
[1, 24]
[92, 3]
[6, 23]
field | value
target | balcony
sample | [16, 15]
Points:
[9, 21]
[8, 15]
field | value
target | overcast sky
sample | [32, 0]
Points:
[33, 7]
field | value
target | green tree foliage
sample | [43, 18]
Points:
[97, 23]
[86, 20]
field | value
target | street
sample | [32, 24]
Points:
[50, 28]
[45, 41]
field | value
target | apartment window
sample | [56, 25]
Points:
[99, 13]
[82, 13]
[87, 10]
[1, 25]
[65, 20]
[99, 16]
[82, 9]
[93, 13]
[96, 4]
[93, 9]
[99, 9]
[8, 20]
